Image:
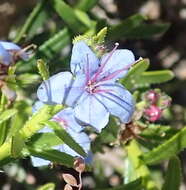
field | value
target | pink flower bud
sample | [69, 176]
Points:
[153, 113]
[152, 96]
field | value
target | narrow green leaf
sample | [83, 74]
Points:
[147, 30]
[18, 120]
[7, 114]
[68, 14]
[168, 149]
[65, 137]
[23, 80]
[134, 185]
[125, 27]
[35, 122]
[140, 169]
[35, 19]
[3, 132]
[155, 77]
[53, 156]
[30, 128]
[44, 141]
[173, 175]
[86, 5]
[55, 44]
[48, 50]
[84, 18]
[48, 186]
[17, 145]
[134, 73]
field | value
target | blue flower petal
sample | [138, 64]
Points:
[118, 101]
[39, 162]
[81, 138]
[9, 46]
[92, 111]
[66, 116]
[38, 105]
[76, 89]
[5, 57]
[117, 65]
[83, 59]
[53, 90]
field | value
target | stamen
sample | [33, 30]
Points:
[115, 73]
[31, 46]
[87, 70]
[103, 65]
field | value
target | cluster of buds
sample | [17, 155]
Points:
[156, 102]
[10, 53]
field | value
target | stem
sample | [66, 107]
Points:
[80, 181]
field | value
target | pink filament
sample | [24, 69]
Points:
[106, 61]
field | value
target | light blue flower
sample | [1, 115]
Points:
[10, 51]
[92, 88]
[67, 120]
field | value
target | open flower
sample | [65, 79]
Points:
[9, 52]
[92, 88]
[67, 120]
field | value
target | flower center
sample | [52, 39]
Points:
[91, 87]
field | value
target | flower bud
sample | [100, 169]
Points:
[153, 113]
[152, 96]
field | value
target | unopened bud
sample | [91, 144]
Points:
[153, 113]
[152, 96]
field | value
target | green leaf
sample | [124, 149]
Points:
[84, 18]
[147, 31]
[173, 175]
[18, 120]
[140, 169]
[30, 128]
[125, 27]
[86, 5]
[44, 141]
[7, 114]
[48, 49]
[17, 145]
[168, 149]
[35, 20]
[134, 73]
[154, 77]
[23, 80]
[53, 156]
[48, 186]
[55, 44]
[3, 132]
[43, 69]
[65, 137]
[34, 124]
[68, 15]
[134, 185]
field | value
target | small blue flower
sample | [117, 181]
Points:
[92, 88]
[10, 51]
[67, 120]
